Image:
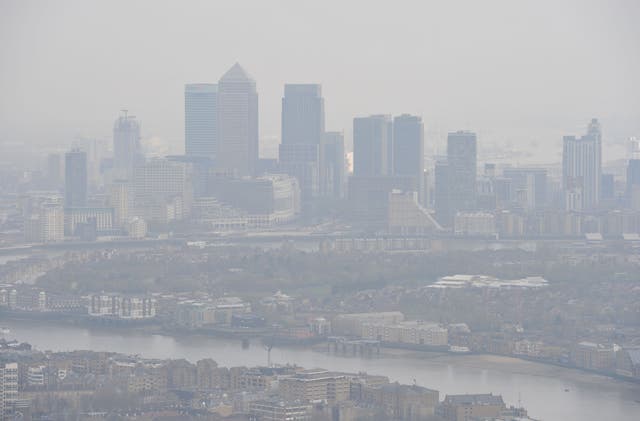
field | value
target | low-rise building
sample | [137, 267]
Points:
[592, 356]
[122, 307]
[315, 385]
[475, 224]
[628, 362]
[415, 332]
[274, 410]
[351, 324]
[467, 407]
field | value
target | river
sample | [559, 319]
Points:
[540, 388]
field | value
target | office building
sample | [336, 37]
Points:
[302, 114]
[608, 187]
[333, 165]
[200, 119]
[408, 150]
[121, 200]
[527, 187]
[582, 167]
[162, 190]
[462, 163]
[369, 198]
[75, 178]
[372, 146]
[633, 180]
[262, 201]
[474, 224]
[127, 150]
[275, 410]
[407, 216]
[54, 170]
[237, 122]
[46, 225]
[302, 131]
[442, 204]
[80, 221]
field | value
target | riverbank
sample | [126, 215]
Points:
[541, 388]
[506, 364]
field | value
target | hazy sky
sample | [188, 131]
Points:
[518, 72]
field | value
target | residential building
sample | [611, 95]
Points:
[8, 389]
[121, 307]
[468, 407]
[315, 385]
[593, 356]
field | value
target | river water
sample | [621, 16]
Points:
[549, 393]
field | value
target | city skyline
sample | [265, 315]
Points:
[446, 100]
[320, 210]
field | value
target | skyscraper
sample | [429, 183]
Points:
[582, 166]
[333, 168]
[633, 184]
[462, 164]
[200, 119]
[237, 121]
[442, 193]
[371, 139]
[528, 186]
[302, 114]
[75, 179]
[54, 170]
[302, 129]
[127, 151]
[408, 149]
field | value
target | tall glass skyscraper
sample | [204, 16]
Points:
[302, 130]
[127, 151]
[200, 119]
[333, 166]
[75, 179]
[372, 137]
[237, 150]
[582, 168]
[462, 166]
[408, 149]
